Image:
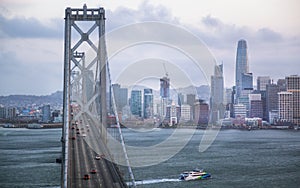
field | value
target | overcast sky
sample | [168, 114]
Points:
[31, 35]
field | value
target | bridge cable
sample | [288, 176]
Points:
[119, 127]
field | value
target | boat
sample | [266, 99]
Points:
[196, 174]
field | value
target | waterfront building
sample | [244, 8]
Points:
[256, 106]
[2, 112]
[264, 102]
[244, 99]
[164, 96]
[180, 99]
[285, 106]
[271, 101]
[293, 86]
[148, 103]
[256, 109]
[46, 116]
[233, 99]
[281, 84]
[273, 116]
[242, 65]
[126, 113]
[136, 103]
[8, 112]
[217, 95]
[172, 114]
[185, 113]
[201, 112]
[240, 110]
[165, 87]
[121, 96]
[156, 106]
[190, 100]
[227, 97]
[262, 82]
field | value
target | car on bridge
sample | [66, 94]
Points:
[86, 177]
[98, 157]
[93, 171]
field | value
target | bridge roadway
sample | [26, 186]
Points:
[82, 159]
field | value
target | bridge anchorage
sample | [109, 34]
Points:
[86, 160]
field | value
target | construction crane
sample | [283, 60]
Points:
[165, 70]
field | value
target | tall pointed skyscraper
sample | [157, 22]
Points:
[242, 65]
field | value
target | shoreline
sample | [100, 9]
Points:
[59, 125]
[37, 126]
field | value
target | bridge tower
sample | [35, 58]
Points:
[84, 83]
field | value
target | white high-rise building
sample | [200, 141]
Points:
[240, 110]
[285, 106]
[293, 86]
[185, 113]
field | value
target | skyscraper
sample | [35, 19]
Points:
[247, 81]
[201, 111]
[185, 112]
[240, 110]
[262, 82]
[180, 99]
[46, 113]
[190, 100]
[217, 94]
[242, 65]
[148, 103]
[285, 106]
[164, 95]
[136, 103]
[244, 99]
[256, 107]
[165, 87]
[281, 84]
[293, 86]
[271, 100]
[121, 96]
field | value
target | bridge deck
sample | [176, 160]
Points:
[82, 161]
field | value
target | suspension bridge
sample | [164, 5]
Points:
[86, 159]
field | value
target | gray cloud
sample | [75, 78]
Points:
[18, 27]
[211, 22]
[145, 12]
[270, 52]
[267, 35]
[19, 76]
[221, 35]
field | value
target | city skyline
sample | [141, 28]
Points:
[271, 43]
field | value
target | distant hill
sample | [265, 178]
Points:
[54, 99]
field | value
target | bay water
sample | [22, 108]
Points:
[259, 158]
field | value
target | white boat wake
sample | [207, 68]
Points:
[144, 182]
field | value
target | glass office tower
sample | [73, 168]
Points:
[242, 65]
